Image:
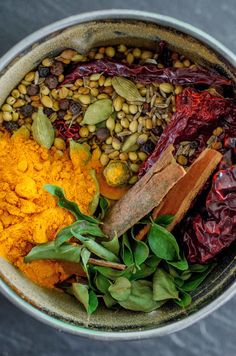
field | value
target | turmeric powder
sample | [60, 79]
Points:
[28, 214]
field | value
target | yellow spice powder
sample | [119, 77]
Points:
[28, 214]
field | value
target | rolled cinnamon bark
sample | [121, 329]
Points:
[179, 199]
[146, 194]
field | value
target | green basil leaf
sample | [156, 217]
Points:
[143, 271]
[163, 286]
[96, 248]
[48, 251]
[181, 265]
[185, 275]
[109, 301]
[112, 245]
[103, 207]
[67, 204]
[178, 282]
[126, 251]
[141, 297]
[102, 283]
[82, 227]
[85, 255]
[120, 289]
[195, 280]
[84, 296]
[109, 272]
[164, 220]
[153, 261]
[163, 243]
[185, 299]
[199, 268]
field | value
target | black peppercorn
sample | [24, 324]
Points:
[43, 71]
[64, 104]
[148, 147]
[74, 107]
[10, 125]
[27, 110]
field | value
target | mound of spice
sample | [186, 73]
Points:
[28, 214]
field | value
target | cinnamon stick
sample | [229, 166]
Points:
[147, 193]
[178, 201]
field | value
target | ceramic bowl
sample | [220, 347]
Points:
[83, 32]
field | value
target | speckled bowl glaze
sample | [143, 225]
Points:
[83, 32]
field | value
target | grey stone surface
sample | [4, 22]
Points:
[20, 335]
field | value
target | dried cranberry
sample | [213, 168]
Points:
[47, 111]
[148, 147]
[27, 110]
[32, 89]
[10, 125]
[74, 107]
[61, 114]
[57, 68]
[51, 82]
[43, 71]
[64, 104]
[102, 134]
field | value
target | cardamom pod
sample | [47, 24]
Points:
[126, 89]
[42, 129]
[97, 112]
[129, 142]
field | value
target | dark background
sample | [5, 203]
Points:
[20, 334]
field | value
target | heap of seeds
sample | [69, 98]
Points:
[128, 134]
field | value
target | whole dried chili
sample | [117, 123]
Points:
[197, 115]
[147, 73]
[213, 229]
[67, 131]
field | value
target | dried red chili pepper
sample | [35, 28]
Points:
[209, 232]
[67, 131]
[197, 115]
[147, 74]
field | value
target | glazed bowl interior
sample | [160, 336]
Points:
[59, 309]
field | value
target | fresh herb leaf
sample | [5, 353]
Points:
[126, 251]
[109, 272]
[102, 283]
[103, 207]
[143, 271]
[67, 204]
[153, 261]
[199, 268]
[48, 251]
[182, 265]
[120, 289]
[196, 280]
[85, 255]
[185, 299]
[112, 245]
[164, 220]
[163, 244]
[96, 248]
[82, 227]
[140, 249]
[164, 286]
[141, 297]
[85, 296]
[109, 301]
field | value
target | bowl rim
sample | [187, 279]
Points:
[5, 289]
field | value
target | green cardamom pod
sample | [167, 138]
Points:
[126, 89]
[129, 142]
[42, 130]
[97, 112]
